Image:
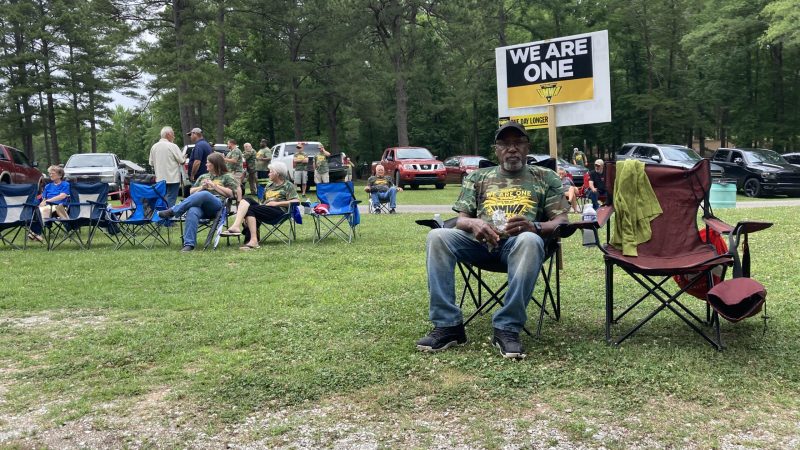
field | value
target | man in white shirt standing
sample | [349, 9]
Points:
[166, 160]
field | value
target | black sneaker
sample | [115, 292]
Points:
[392, 211]
[166, 214]
[187, 248]
[508, 343]
[442, 338]
[376, 210]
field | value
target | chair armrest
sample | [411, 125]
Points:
[603, 214]
[751, 226]
[120, 209]
[717, 225]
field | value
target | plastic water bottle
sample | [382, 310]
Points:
[589, 215]
[438, 219]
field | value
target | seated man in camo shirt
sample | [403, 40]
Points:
[504, 213]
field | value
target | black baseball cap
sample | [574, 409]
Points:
[511, 125]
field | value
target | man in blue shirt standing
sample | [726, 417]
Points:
[197, 160]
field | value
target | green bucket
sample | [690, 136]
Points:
[723, 194]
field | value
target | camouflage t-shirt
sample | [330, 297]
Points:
[535, 193]
[250, 158]
[225, 180]
[321, 162]
[379, 184]
[235, 167]
[300, 161]
[263, 166]
[280, 193]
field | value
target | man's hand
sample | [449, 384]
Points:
[519, 224]
[482, 231]
[366, 188]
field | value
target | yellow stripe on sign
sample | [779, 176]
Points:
[543, 94]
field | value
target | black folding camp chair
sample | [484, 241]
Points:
[675, 248]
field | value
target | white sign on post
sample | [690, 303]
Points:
[570, 72]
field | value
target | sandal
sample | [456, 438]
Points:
[248, 247]
[230, 233]
[35, 237]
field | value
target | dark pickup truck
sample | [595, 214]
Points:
[759, 171]
[15, 168]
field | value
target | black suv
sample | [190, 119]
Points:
[759, 171]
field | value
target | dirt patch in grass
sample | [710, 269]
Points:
[161, 419]
[55, 322]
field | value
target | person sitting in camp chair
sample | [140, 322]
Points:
[55, 199]
[278, 198]
[570, 191]
[500, 209]
[208, 195]
[381, 189]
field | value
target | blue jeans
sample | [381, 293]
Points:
[593, 196]
[390, 195]
[523, 256]
[200, 205]
[172, 193]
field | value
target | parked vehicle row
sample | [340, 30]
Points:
[667, 155]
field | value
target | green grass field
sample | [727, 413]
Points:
[313, 346]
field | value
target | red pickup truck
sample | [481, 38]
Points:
[412, 166]
[16, 169]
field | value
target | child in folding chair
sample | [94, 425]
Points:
[278, 197]
[55, 197]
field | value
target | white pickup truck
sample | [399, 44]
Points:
[284, 152]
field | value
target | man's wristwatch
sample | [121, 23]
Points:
[538, 227]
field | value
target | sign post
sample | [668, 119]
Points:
[569, 74]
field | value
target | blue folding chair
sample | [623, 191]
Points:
[342, 217]
[142, 226]
[18, 212]
[87, 208]
[275, 227]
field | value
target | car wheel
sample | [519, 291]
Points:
[463, 176]
[414, 187]
[752, 188]
[5, 180]
[439, 185]
[397, 181]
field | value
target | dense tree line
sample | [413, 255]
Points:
[361, 75]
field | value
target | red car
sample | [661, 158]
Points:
[460, 166]
[16, 169]
[412, 166]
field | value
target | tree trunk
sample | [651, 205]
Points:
[401, 102]
[475, 133]
[221, 68]
[298, 129]
[333, 123]
[92, 121]
[501, 23]
[43, 115]
[187, 123]
[76, 120]
[779, 140]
